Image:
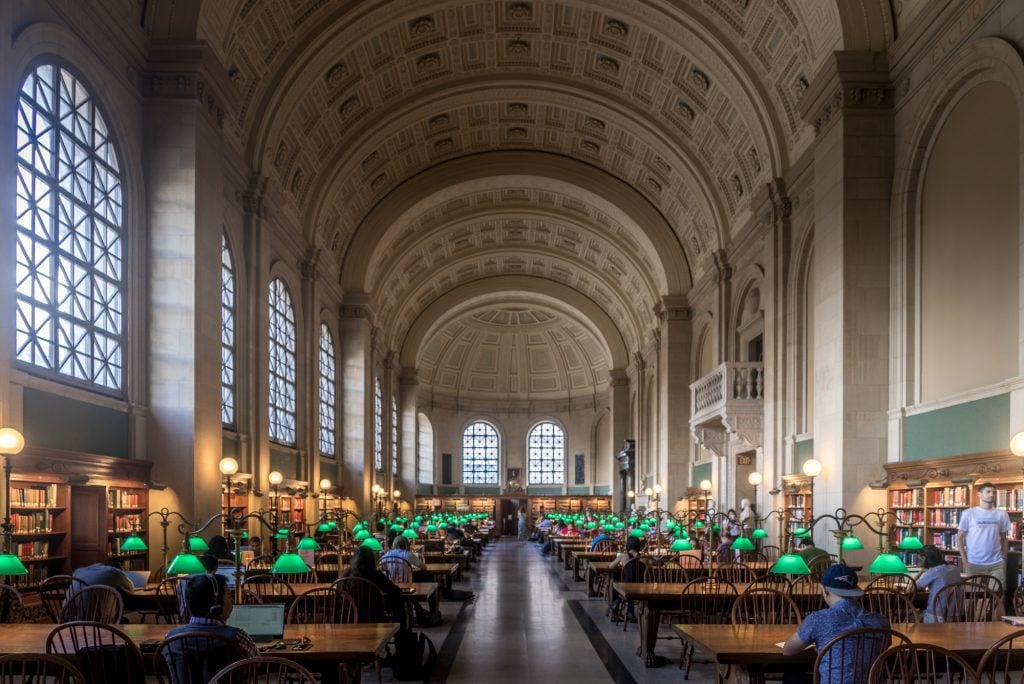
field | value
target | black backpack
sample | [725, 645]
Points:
[414, 656]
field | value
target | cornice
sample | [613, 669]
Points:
[848, 81]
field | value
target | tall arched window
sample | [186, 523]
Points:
[282, 364]
[70, 237]
[546, 454]
[328, 406]
[394, 436]
[378, 426]
[480, 448]
[227, 334]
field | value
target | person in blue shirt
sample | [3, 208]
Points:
[599, 538]
[400, 549]
[839, 585]
[935, 575]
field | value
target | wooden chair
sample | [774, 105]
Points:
[102, 652]
[853, 653]
[905, 584]
[704, 601]
[988, 582]
[11, 604]
[94, 603]
[666, 572]
[368, 599]
[299, 577]
[327, 566]
[1018, 600]
[806, 593]
[55, 590]
[259, 565]
[749, 557]
[818, 565]
[920, 663]
[194, 657]
[605, 546]
[325, 606]
[397, 569]
[967, 602]
[771, 552]
[771, 580]
[891, 603]
[264, 670]
[1001, 662]
[170, 600]
[36, 668]
[765, 607]
[688, 562]
[632, 571]
[735, 573]
[269, 588]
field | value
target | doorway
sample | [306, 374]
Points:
[508, 514]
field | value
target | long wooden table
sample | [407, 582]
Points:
[586, 555]
[754, 647]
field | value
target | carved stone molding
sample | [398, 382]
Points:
[749, 427]
[714, 440]
[995, 465]
[850, 81]
[723, 269]
[79, 468]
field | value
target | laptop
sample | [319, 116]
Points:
[262, 622]
[139, 578]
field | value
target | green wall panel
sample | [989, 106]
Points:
[700, 472]
[803, 451]
[968, 428]
[602, 490]
[55, 422]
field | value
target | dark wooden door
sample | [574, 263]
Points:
[88, 525]
[507, 512]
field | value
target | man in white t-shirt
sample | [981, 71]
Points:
[981, 536]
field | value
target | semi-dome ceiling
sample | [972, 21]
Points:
[525, 354]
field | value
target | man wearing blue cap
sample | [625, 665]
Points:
[839, 584]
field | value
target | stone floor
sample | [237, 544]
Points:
[530, 622]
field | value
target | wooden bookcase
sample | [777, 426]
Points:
[797, 503]
[127, 507]
[537, 504]
[42, 527]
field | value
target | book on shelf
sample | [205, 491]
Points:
[32, 523]
[121, 498]
[907, 498]
[32, 550]
[44, 496]
[126, 522]
[957, 495]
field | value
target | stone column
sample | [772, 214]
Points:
[850, 106]
[355, 332]
[308, 431]
[618, 404]
[183, 153]
[408, 398]
[674, 405]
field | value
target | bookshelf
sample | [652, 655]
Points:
[127, 507]
[797, 503]
[41, 519]
[290, 508]
[537, 504]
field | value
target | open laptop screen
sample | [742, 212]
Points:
[264, 621]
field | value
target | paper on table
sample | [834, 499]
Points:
[1014, 619]
[782, 644]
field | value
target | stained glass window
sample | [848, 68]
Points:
[327, 400]
[480, 446]
[394, 436]
[282, 364]
[227, 334]
[378, 426]
[546, 454]
[70, 238]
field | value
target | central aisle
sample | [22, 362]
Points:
[520, 628]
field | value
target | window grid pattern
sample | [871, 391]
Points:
[70, 238]
[378, 427]
[480, 448]
[328, 404]
[227, 335]
[394, 436]
[282, 364]
[546, 454]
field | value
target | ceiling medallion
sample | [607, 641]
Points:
[737, 186]
[378, 181]
[444, 144]
[591, 122]
[429, 61]
[297, 181]
[699, 79]
[517, 108]
[614, 27]
[520, 11]
[590, 146]
[439, 120]
[518, 47]
[348, 107]
[607, 64]
[421, 26]
[755, 160]
[517, 132]
[336, 74]
[684, 110]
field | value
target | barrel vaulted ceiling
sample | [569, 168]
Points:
[434, 149]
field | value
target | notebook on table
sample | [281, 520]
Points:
[1017, 620]
[262, 622]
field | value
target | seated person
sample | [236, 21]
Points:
[106, 574]
[936, 574]
[808, 551]
[570, 531]
[209, 604]
[839, 586]
[400, 549]
[381, 531]
[602, 536]
[219, 549]
[633, 572]
[256, 546]
[454, 534]
[364, 566]
[724, 552]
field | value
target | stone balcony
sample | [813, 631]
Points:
[727, 402]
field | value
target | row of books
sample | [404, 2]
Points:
[959, 495]
[124, 498]
[114, 547]
[37, 572]
[36, 549]
[945, 540]
[1012, 499]
[910, 517]
[32, 523]
[126, 522]
[34, 497]
[907, 497]
[946, 517]
[796, 500]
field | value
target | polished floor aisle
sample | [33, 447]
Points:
[520, 627]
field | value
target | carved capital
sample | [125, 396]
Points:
[310, 266]
[673, 308]
[849, 81]
[409, 377]
[715, 441]
[723, 270]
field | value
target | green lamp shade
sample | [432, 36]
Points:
[670, 524]
[289, 564]
[372, 543]
[682, 534]
[308, 544]
[11, 565]
[397, 528]
[185, 564]
[632, 520]
[790, 564]
[759, 533]
[715, 527]
[698, 525]
[591, 525]
[323, 528]
[197, 545]
[333, 524]
[410, 534]
[636, 533]
[742, 544]
[358, 527]
[134, 543]
[282, 533]
[681, 545]
[910, 543]
[888, 564]
[801, 532]
[645, 528]
[431, 528]
[620, 525]
[851, 544]
[362, 534]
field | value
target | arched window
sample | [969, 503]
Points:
[227, 334]
[378, 426]
[480, 445]
[70, 237]
[282, 364]
[546, 454]
[425, 453]
[394, 436]
[328, 406]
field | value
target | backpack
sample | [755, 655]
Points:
[414, 656]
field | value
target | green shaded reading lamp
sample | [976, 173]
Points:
[186, 562]
[681, 545]
[790, 564]
[742, 544]
[887, 564]
[11, 442]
